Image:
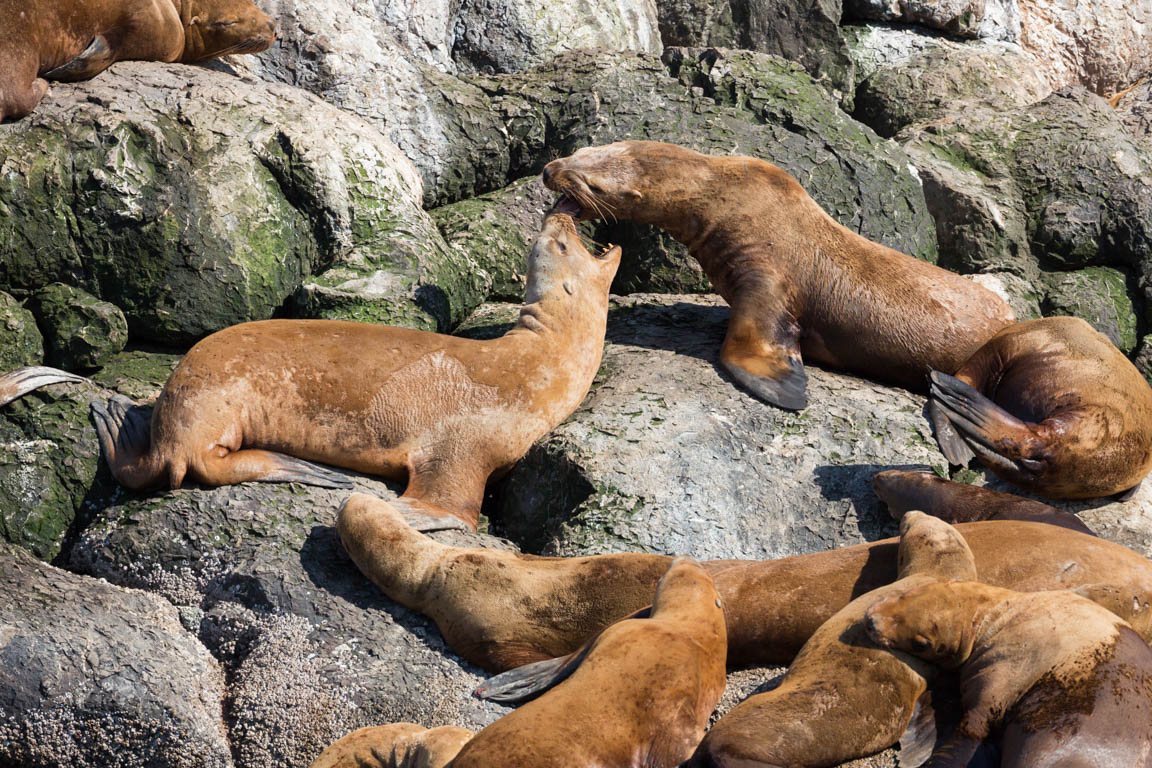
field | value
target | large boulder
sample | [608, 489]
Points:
[81, 331]
[205, 201]
[21, 342]
[93, 675]
[985, 19]
[1098, 295]
[1135, 108]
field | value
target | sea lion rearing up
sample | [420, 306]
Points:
[78, 39]
[797, 281]
[1061, 680]
[259, 401]
[1052, 406]
[501, 609]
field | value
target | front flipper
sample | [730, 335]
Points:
[997, 437]
[955, 450]
[767, 364]
[96, 58]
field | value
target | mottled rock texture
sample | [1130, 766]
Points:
[21, 342]
[94, 675]
[1135, 108]
[80, 331]
[1098, 295]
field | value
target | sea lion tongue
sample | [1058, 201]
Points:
[565, 204]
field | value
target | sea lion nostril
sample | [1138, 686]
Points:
[546, 174]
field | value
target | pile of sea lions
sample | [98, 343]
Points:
[996, 630]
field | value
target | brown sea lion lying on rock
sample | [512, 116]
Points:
[1052, 406]
[78, 39]
[397, 745]
[1060, 680]
[501, 609]
[260, 401]
[797, 281]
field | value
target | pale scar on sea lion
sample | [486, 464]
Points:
[1053, 678]
[397, 745]
[1052, 406]
[79, 39]
[260, 401]
[905, 490]
[638, 694]
[798, 282]
[502, 609]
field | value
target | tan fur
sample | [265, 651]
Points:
[444, 411]
[398, 745]
[1061, 667]
[641, 696]
[1087, 411]
[796, 279]
[503, 610]
[46, 39]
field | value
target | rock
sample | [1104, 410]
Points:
[514, 35]
[1134, 106]
[1143, 359]
[984, 19]
[137, 374]
[20, 340]
[805, 31]
[312, 649]
[1098, 295]
[907, 76]
[96, 675]
[205, 201]
[668, 455]
[80, 331]
[1020, 294]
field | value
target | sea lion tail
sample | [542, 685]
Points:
[987, 429]
[21, 381]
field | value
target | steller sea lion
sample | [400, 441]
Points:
[397, 745]
[797, 281]
[1062, 681]
[502, 609]
[904, 490]
[260, 401]
[638, 694]
[79, 39]
[1052, 406]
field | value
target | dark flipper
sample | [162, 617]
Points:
[23, 380]
[425, 522]
[961, 752]
[1128, 494]
[96, 58]
[122, 429]
[985, 426]
[786, 391]
[293, 470]
[955, 450]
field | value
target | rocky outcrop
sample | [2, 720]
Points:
[1135, 108]
[21, 342]
[1098, 295]
[94, 675]
[80, 331]
[984, 19]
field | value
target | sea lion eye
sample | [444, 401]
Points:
[223, 24]
[595, 189]
[562, 246]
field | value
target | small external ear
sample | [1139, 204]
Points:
[636, 195]
[195, 20]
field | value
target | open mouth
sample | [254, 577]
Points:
[567, 205]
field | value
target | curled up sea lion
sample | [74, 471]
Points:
[397, 745]
[797, 281]
[1056, 679]
[79, 39]
[502, 609]
[1052, 406]
[261, 400]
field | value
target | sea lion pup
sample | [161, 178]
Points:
[260, 401]
[502, 609]
[904, 490]
[797, 281]
[1062, 680]
[1052, 406]
[79, 39]
[397, 745]
[640, 693]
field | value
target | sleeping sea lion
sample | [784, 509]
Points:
[79, 39]
[397, 745]
[261, 400]
[1060, 680]
[904, 490]
[502, 610]
[797, 281]
[1052, 406]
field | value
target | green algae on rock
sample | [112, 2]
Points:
[1098, 295]
[80, 331]
[21, 343]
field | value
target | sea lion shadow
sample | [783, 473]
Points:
[853, 482]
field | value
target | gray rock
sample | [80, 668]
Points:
[1135, 109]
[20, 340]
[207, 201]
[907, 76]
[94, 675]
[985, 19]
[312, 649]
[1098, 295]
[1021, 295]
[80, 331]
[1143, 359]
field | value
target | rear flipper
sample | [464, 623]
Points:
[421, 517]
[96, 58]
[997, 437]
[254, 465]
[955, 450]
[125, 440]
[23, 380]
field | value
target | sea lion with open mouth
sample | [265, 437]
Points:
[797, 281]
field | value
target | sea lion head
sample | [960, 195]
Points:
[922, 622]
[903, 490]
[220, 27]
[684, 586]
[559, 261]
[928, 545]
[623, 180]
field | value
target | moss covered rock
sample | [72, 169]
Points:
[194, 200]
[80, 331]
[20, 340]
[1098, 295]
